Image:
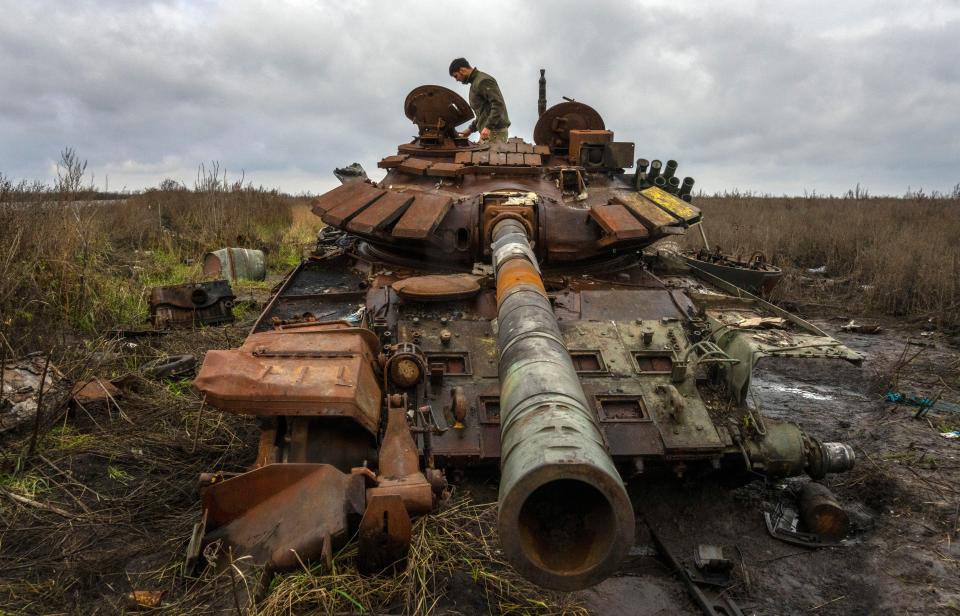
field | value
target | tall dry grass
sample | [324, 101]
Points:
[883, 255]
[73, 264]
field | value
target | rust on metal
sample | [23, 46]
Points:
[383, 540]
[554, 125]
[415, 166]
[362, 196]
[191, 304]
[329, 200]
[617, 223]
[382, 213]
[646, 211]
[422, 217]
[317, 501]
[438, 287]
[390, 162]
[94, 391]
[320, 369]
[517, 272]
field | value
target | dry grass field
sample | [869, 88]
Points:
[110, 496]
[882, 256]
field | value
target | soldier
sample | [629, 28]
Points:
[486, 100]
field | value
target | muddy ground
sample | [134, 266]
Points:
[120, 496]
[904, 493]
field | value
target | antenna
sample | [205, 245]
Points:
[542, 102]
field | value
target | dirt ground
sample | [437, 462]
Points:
[121, 506]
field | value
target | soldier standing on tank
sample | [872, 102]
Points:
[486, 100]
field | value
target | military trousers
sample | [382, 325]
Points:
[496, 136]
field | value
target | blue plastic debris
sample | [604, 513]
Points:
[922, 403]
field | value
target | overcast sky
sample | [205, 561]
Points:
[765, 96]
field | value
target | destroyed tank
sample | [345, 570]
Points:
[504, 306]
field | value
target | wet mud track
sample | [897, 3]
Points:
[903, 495]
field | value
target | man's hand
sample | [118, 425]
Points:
[465, 133]
[485, 133]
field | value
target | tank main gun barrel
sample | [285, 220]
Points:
[565, 519]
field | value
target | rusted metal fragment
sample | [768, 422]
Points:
[362, 196]
[647, 211]
[447, 170]
[331, 199]
[821, 513]
[282, 514]
[324, 369]
[415, 166]
[438, 288]
[617, 223]
[192, 304]
[144, 599]
[384, 535]
[392, 161]
[381, 213]
[422, 217]
[94, 391]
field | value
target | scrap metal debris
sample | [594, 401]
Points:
[19, 388]
[93, 392]
[861, 328]
[817, 521]
[191, 305]
[708, 596]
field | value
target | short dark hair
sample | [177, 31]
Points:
[458, 64]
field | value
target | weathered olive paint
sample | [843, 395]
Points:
[549, 434]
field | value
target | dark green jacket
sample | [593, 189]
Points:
[487, 102]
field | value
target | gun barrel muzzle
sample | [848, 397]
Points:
[687, 186]
[673, 184]
[670, 169]
[655, 167]
[565, 519]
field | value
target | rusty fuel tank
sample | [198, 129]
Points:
[505, 306]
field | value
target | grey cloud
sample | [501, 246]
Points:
[766, 96]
